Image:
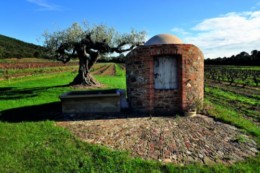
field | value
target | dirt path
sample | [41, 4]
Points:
[179, 140]
[108, 69]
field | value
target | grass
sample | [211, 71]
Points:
[40, 89]
[33, 90]
[243, 104]
[44, 147]
[232, 114]
[117, 81]
[119, 71]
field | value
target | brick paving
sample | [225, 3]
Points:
[180, 140]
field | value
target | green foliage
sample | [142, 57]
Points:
[99, 33]
[13, 48]
[72, 34]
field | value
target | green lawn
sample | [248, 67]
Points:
[33, 90]
[41, 146]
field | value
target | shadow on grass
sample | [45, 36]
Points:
[49, 111]
[11, 93]
[53, 111]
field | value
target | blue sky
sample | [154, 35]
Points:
[218, 28]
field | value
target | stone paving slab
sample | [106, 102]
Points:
[180, 140]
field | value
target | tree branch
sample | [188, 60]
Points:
[119, 50]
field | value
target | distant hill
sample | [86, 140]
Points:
[13, 48]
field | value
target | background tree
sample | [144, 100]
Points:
[242, 59]
[89, 43]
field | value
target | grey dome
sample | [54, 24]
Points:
[163, 39]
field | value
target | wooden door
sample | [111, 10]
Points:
[165, 73]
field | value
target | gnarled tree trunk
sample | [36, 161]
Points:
[84, 77]
[88, 53]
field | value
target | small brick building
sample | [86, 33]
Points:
[164, 75]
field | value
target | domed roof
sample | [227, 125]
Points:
[163, 39]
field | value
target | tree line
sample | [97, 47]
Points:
[241, 59]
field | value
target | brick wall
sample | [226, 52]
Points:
[141, 94]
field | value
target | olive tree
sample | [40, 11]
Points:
[88, 43]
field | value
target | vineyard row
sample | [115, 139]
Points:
[26, 65]
[233, 76]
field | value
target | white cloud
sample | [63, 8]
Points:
[180, 31]
[44, 5]
[226, 35]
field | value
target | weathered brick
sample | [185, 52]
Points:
[190, 70]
